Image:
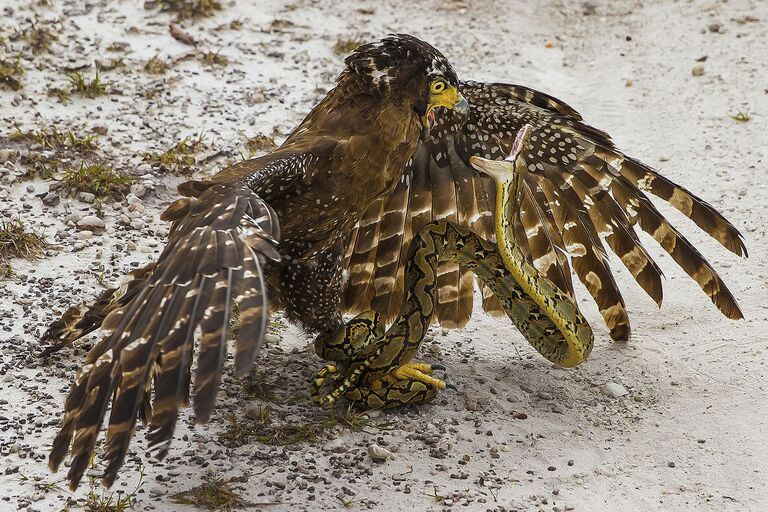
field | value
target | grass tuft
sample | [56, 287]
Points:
[257, 387]
[181, 157]
[346, 46]
[119, 46]
[11, 73]
[16, 241]
[214, 59]
[38, 35]
[741, 116]
[84, 87]
[52, 138]
[39, 166]
[267, 431]
[186, 9]
[215, 493]
[259, 143]
[156, 66]
[97, 179]
[109, 502]
[112, 501]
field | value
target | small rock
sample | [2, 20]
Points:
[6, 154]
[91, 223]
[85, 235]
[670, 464]
[138, 190]
[335, 445]
[51, 199]
[519, 415]
[697, 70]
[715, 28]
[156, 492]
[30, 188]
[8, 377]
[615, 390]
[378, 453]
[86, 197]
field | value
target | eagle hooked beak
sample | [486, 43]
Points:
[501, 169]
[449, 98]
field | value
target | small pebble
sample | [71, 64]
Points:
[91, 223]
[697, 70]
[378, 453]
[615, 390]
[335, 445]
[86, 197]
[51, 199]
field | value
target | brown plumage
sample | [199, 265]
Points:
[580, 195]
[264, 232]
[348, 190]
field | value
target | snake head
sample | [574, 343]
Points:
[501, 170]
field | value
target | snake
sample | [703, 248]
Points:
[375, 368]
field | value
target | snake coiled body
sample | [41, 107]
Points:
[547, 317]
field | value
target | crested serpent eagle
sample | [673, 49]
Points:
[321, 227]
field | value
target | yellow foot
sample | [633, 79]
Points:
[421, 372]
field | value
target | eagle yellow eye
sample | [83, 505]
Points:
[437, 87]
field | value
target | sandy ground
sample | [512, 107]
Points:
[518, 434]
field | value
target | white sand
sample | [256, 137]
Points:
[689, 435]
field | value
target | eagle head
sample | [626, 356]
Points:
[408, 70]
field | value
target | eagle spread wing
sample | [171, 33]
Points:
[213, 258]
[582, 194]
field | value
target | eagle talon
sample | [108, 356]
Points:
[420, 372]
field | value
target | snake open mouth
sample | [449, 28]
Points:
[431, 118]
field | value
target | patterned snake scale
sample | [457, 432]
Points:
[547, 317]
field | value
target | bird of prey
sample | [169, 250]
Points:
[322, 225]
[272, 227]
